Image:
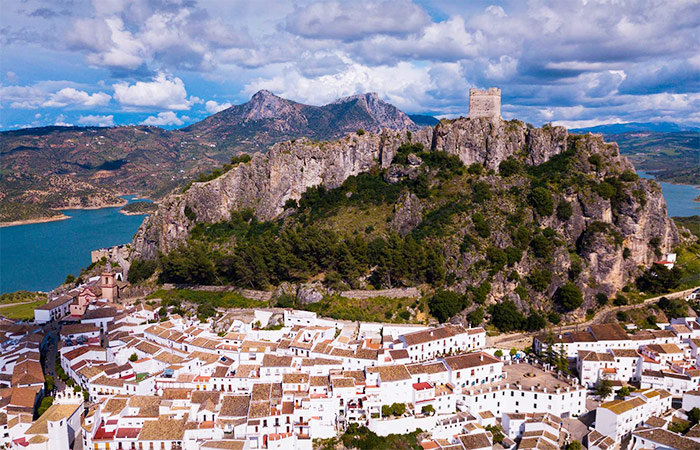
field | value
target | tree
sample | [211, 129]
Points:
[498, 353]
[50, 384]
[141, 269]
[506, 317]
[659, 279]
[535, 321]
[495, 431]
[133, 357]
[694, 415]
[46, 403]
[445, 304]
[513, 352]
[569, 297]
[623, 392]
[603, 389]
[476, 317]
[70, 279]
[541, 200]
[428, 410]
[573, 445]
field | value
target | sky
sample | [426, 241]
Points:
[577, 63]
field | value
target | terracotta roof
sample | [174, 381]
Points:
[162, 430]
[433, 334]
[474, 441]
[470, 360]
[235, 405]
[391, 373]
[608, 332]
[667, 439]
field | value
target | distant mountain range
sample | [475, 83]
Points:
[57, 167]
[617, 128]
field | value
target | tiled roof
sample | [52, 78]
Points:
[470, 360]
[433, 334]
[162, 430]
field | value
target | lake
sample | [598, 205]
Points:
[38, 256]
[679, 197]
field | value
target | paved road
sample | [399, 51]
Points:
[51, 354]
[503, 340]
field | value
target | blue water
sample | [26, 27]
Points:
[38, 256]
[679, 197]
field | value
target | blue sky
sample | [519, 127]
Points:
[171, 63]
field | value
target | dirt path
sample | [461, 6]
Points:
[522, 340]
[7, 305]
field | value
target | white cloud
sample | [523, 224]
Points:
[22, 97]
[404, 84]
[61, 121]
[213, 107]
[357, 19]
[164, 118]
[164, 92]
[97, 120]
[74, 97]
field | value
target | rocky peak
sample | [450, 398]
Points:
[386, 114]
[266, 105]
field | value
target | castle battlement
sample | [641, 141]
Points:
[485, 103]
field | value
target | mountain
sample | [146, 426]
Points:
[56, 167]
[672, 157]
[617, 128]
[424, 121]
[492, 210]
[267, 119]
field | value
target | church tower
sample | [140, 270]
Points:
[110, 291]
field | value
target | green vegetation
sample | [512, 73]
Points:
[395, 409]
[139, 207]
[603, 389]
[569, 297]
[24, 311]
[506, 317]
[206, 302]
[496, 432]
[658, 279]
[445, 304]
[692, 223]
[361, 438]
[46, 403]
[20, 297]
[377, 309]
[141, 269]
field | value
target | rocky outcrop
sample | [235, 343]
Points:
[270, 180]
[408, 214]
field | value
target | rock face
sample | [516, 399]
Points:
[491, 141]
[599, 228]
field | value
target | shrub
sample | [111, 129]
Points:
[602, 298]
[620, 300]
[569, 297]
[513, 255]
[46, 403]
[541, 200]
[481, 226]
[509, 167]
[360, 132]
[70, 279]
[482, 192]
[554, 318]
[476, 317]
[498, 353]
[475, 169]
[564, 211]
[596, 161]
[496, 257]
[428, 410]
[622, 316]
[133, 357]
[244, 158]
[481, 292]
[541, 246]
[629, 176]
[626, 253]
[540, 279]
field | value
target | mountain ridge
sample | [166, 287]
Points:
[151, 161]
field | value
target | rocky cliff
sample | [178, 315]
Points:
[607, 221]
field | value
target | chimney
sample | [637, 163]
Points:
[481, 357]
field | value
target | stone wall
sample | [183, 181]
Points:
[485, 103]
[409, 292]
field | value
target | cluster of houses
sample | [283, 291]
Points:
[654, 367]
[279, 380]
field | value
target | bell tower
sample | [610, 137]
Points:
[108, 284]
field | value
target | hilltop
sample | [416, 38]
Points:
[44, 169]
[490, 211]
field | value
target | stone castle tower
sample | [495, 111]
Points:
[485, 103]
